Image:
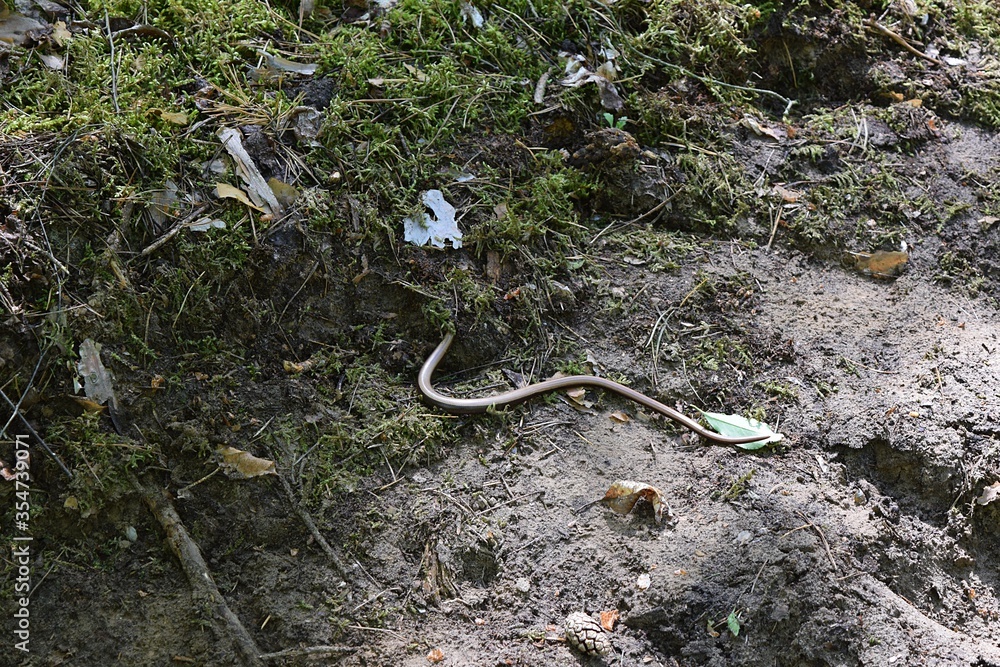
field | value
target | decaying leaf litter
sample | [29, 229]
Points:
[619, 178]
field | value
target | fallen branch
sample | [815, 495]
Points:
[203, 587]
[34, 433]
[881, 29]
[185, 222]
[335, 560]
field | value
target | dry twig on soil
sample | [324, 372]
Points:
[199, 576]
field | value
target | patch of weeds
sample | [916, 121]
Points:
[86, 443]
[655, 250]
[705, 197]
[955, 268]
[713, 353]
[737, 488]
[779, 390]
[703, 36]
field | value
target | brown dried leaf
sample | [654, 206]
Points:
[883, 264]
[619, 416]
[609, 618]
[226, 191]
[89, 405]
[435, 656]
[787, 196]
[624, 493]
[238, 464]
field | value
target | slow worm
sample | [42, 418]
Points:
[477, 405]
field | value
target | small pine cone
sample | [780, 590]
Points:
[586, 635]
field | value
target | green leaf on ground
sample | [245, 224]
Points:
[733, 622]
[738, 426]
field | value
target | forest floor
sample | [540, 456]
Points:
[786, 211]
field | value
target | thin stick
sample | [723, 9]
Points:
[774, 228]
[190, 217]
[335, 560]
[301, 287]
[710, 82]
[114, 74]
[34, 433]
[878, 27]
[199, 577]
[826, 544]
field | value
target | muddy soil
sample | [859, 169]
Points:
[857, 542]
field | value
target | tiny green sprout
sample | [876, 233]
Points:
[617, 124]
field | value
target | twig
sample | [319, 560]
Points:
[774, 228]
[301, 287]
[715, 82]
[309, 650]
[879, 28]
[826, 544]
[869, 368]
[199, 577]
[335, 560]
[185, 221]
[31, 381]
[114, 74]
[34, 434]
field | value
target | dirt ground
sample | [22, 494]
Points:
[867, 537]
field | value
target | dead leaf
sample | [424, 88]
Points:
[435, 656]
[787, 196]
[60, 34]
[96, 378]
[280, 64]
[283, 192]
[294, 367]
[238, 464]
[990, 493]
[624, 493]
[755, 127]
[89, 405]
[882, 264]
[417, 74]
[174, 117]
[204, 223]
[987, 221]
[16, 28]
[226, 191]
[258, 189]
[619, 416]
[609, 618]
[52, 61]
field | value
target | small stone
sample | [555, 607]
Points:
[522, 584]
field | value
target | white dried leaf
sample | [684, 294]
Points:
[990, 493]
[434, 230]
[257, 187]
[472, 14]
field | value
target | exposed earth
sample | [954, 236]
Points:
[829, 268]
